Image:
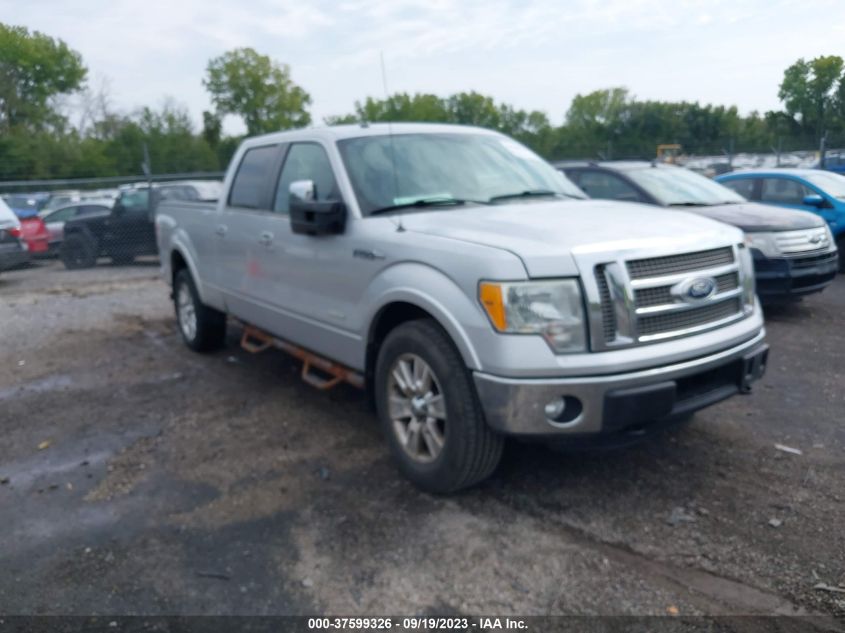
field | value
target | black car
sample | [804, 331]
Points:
[128, 231]
[794, 252]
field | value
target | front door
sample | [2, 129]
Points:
[129, 229]
[317, 280]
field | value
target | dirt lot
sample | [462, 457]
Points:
[139, 477]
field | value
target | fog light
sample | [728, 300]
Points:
[555, 409]
[563, 410]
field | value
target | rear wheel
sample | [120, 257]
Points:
[78, 251]
[429, 410]
[203, 329]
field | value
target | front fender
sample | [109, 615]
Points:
[436, 293]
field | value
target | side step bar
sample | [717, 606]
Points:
[256, 341]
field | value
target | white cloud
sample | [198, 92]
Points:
[536, 53]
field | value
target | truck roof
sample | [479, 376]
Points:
[340, 132]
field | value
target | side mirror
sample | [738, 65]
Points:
[310, 216]
[118, 208]
[814, 200]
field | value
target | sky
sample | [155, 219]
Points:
[533, 54]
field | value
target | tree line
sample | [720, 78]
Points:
[54, 124]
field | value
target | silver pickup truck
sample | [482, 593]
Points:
[468, 286]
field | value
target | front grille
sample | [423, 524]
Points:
[640, 307]
[662, 295]
[809, 262]
[802, 242]
[608, 314]
[686, 262]
[678, 321]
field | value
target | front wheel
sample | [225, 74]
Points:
[203, 329]
[429, 410]
[78, 251]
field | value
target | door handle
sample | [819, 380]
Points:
[221, 230]
[266, 238]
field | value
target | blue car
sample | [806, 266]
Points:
[814, 190]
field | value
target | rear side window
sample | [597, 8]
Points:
[91, 209]
[783, 191]
[253, 174]
[305, 161]
[597, 184]
[63, 215]
[743, 186]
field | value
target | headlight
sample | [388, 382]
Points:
[552, 309]
[763, 242]
[830, 239]
[748, 281]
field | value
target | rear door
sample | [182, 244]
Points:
[748, 188]
[244, 233]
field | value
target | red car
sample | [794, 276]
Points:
[34, 234]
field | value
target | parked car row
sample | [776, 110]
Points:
[794, 251]
[79, 227]
[13, 250]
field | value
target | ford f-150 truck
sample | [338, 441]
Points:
[468, 286]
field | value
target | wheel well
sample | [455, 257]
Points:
[177, 263]
[387, 319]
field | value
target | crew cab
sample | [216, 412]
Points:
[468, 286]
[127, 231]
[794, 251]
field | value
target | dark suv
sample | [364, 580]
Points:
[794, 252]
[128, 231]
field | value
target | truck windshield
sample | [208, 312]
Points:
[400, 171]
[675, 186]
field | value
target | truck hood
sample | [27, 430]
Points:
[548, 236]
[752, 217]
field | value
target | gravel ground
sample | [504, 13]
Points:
[140, 478]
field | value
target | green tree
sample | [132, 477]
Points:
[34, 68]
[811, 92]
[244, 83]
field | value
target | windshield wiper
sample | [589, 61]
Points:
[703, 204]
[531, 193]
[424, 202]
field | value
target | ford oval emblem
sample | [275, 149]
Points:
[701, 288]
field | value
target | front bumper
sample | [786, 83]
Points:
[784, 278]
[620, 403]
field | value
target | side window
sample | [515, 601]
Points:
[62, 216]
[253, 173]
[90, 209]
[136, 200]
[743, 186]
[305, 161]
[783, 191]
[597, 184]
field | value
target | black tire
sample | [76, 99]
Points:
[124, 259]
[470, 451]
[78, 251]
[209, 331]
